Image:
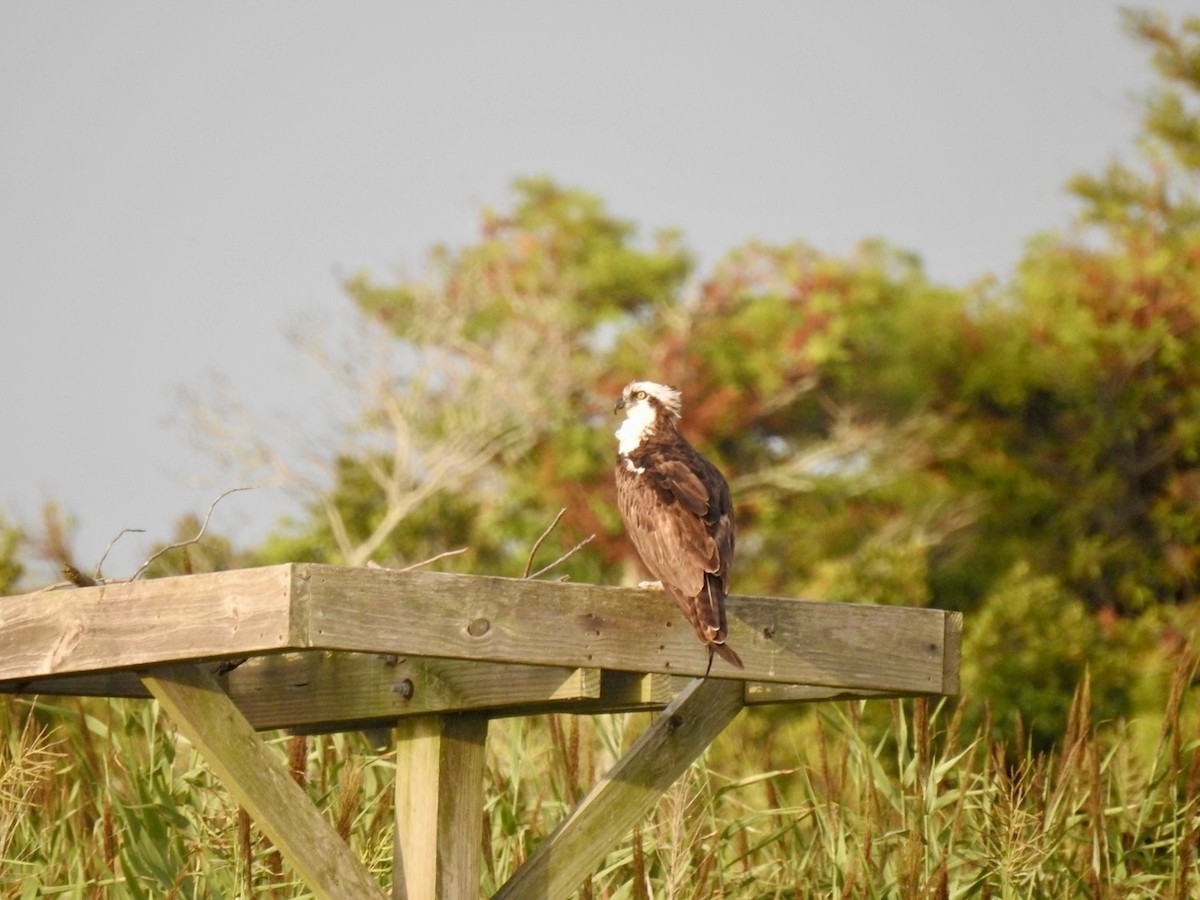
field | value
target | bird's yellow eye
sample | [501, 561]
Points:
[640, 395]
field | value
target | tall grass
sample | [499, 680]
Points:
[102, 799]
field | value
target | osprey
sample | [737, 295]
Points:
[677, 510]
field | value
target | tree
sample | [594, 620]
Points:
[1081, 409]
[886, 437]
[461, 374]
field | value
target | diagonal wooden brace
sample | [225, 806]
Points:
[259, 780]
[582, 840]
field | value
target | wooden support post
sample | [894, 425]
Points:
[439, 807]
[627, 792]
[260, 782]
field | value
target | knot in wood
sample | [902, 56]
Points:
[479, 627]
[676, 721]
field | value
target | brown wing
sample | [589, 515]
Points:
[679, 523]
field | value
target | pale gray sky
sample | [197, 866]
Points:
[179, 183]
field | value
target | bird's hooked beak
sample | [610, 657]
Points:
[621, 404]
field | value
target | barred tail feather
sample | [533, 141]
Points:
[726, 653]
[712, 615]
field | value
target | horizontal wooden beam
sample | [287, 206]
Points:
[844, 645]
[852, 648]
[323, 690]
[272, 691]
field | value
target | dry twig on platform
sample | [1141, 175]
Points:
[538, 543]
[190, 541]
[108, 549]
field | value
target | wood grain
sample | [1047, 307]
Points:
[255, 612]
[324, 690]
[299, 692]
[439, 807]
[879, 648]
[141, 623]
[339, 647]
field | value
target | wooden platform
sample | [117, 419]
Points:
[437, 655]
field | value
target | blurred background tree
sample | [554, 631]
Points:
[1023, 450]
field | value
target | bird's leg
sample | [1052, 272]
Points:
[650, 585]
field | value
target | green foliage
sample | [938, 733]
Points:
[883, 570]
[100, 798]
[1029, 645]
[1026, 451]
[552, 239]
[1128, 203]
[1027, 445]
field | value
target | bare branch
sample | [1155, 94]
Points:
[337, 525]
[459, 459]
[196, 539]
[371, 564]
[434, 559]
[57, 586]
[538, 542]
[422, 414]
[587, 540]
[108, 549]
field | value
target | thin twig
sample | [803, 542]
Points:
[434, 559]
[538, 542]
[587, 540]
[196, 539]
[108, 549]
[57, 586]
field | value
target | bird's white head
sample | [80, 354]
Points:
[644, 403]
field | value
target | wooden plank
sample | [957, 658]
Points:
[759, 693]
[98, 684]
[952, 656]
[274, 692]
[894, 650]
[439, 807]
[260, 782]
[314, 688]
[619, 692]
[141, 623]
[318, 690]
[322, 690]
[577, 846]
[880, 648]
